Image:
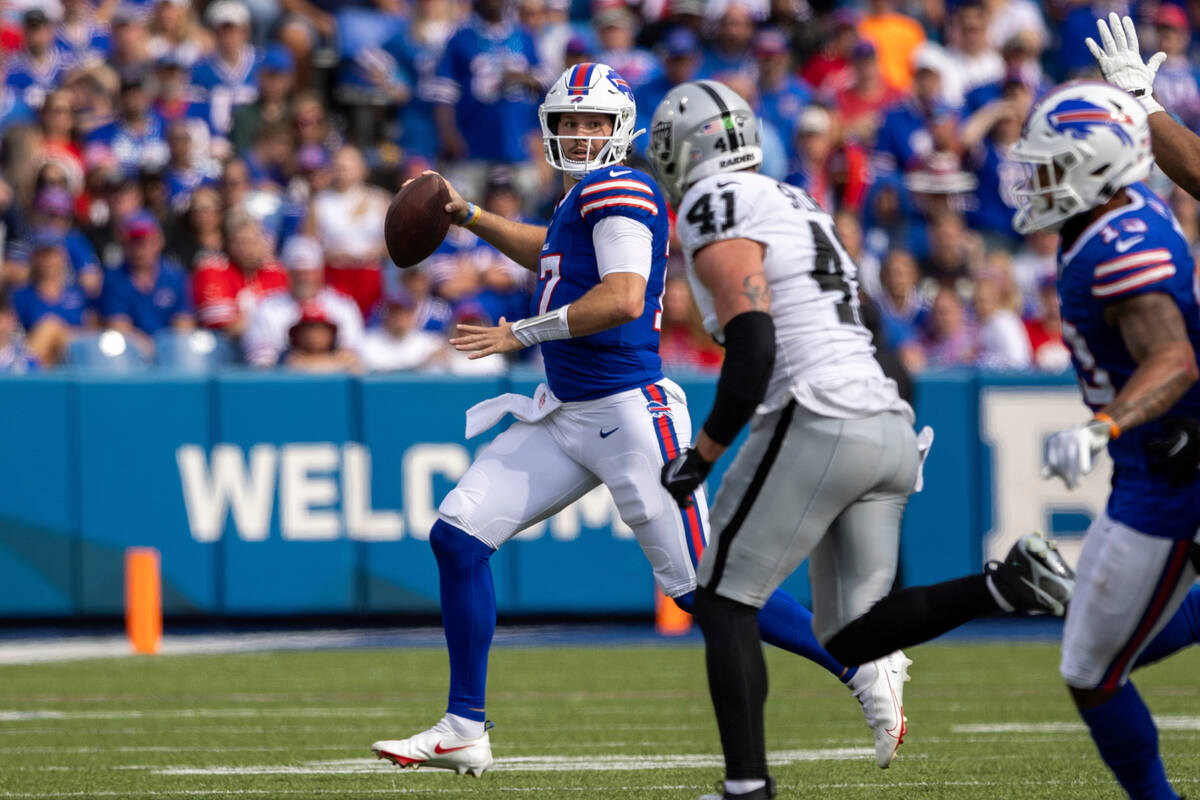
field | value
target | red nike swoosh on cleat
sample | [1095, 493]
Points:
[437, 748]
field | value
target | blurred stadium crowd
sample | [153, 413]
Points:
[172, 165]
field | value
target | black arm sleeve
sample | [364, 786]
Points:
[745, 375]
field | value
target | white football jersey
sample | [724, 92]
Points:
[823, 356]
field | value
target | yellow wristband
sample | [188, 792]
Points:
[1114, 430]
[474, 212]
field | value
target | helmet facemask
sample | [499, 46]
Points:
[588, 89]
[1046, 198]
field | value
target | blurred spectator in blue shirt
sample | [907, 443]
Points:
[548, 23]
[680, 53]
[52, 217]
[13, 109]
[15, 358]
[904, 136]
[138, 137]
[51, 308]
[417, 50]
[173, 99]
[729, 51]
[987, 137]
[81, 37]
[487, 90]
[1022, 61]
[616, 29]
[182, 174]
[148, 293]
[276, 81]
[36, 70]
[228, 77]
[782, 95]
[130, 41]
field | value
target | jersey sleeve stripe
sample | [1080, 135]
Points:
[626, 184]
[1132, 260]
[619, 200]
[1134, 281]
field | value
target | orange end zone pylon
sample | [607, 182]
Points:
[143, 599]
[670, 619]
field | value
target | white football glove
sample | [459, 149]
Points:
[1121, 61]
[1071, 454]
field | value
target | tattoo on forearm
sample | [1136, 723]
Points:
[1153, 404]
[757, 291]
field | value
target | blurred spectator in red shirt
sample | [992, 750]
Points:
[861, 104]
[685, 344]
[228, 290]
[267, 337]
[1045, 330]
[56, 143]
[829, 70]
[835, 172]
[347, 219]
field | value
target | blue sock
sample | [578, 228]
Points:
[1128, 742]
[786, 624]
[1182, 630]
[468, 615]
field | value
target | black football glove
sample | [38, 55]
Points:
[683, 474]
[1175, 453]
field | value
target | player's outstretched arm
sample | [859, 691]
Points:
[1176, 148]
[1156, 336]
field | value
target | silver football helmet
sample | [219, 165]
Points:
[699, 129]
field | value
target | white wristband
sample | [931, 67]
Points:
[1148, 102]
[542, 328]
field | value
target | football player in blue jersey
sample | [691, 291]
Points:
[1131, 318]
[605, 415]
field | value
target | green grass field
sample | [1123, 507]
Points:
[985, 721]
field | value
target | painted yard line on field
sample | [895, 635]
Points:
[426, 790]
[1166, 722]
[541, 763]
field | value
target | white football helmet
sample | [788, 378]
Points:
[699, 129]
[595, 88]
[1081, 143]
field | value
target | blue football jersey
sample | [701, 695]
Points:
[1135, 249]
[624, 357]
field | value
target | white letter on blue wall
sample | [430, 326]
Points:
[300, 491]
[363, 522]
[207, 494]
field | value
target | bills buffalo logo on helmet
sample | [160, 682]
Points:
[1077, 118]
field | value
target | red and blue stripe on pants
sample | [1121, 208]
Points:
[669, 445]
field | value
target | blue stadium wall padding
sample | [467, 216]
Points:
[279, 494]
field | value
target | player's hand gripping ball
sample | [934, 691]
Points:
[417, 221]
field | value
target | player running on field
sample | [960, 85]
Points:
[831, 457]
[1128, 293]
[606, 415]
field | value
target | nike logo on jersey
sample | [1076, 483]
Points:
[605, 434]
[1125, 244]
[616, 172]
[437, 748]
[723, 184]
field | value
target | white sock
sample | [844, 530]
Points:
[464, 728]
[744, 787]
[864, 677]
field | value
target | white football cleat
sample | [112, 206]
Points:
[439, 747]
[882, 701]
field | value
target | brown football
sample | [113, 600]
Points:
[416, 221]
